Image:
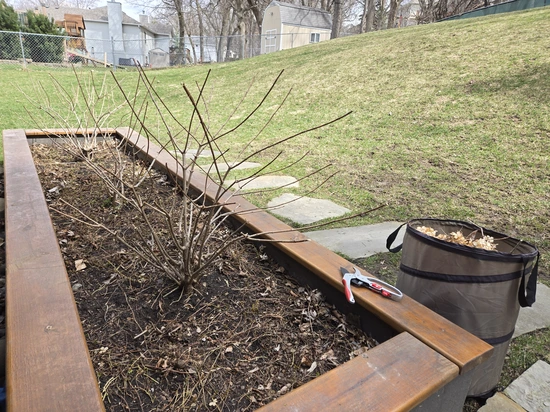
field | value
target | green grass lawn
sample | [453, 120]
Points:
[450, 120]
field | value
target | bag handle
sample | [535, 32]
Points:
[391, 239]
[526, 295]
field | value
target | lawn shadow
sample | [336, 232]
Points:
[531, 82]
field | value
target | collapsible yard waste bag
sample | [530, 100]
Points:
[479, 290]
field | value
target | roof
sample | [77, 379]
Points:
[158, 28]
[303, 16]
[97, 14]
[100, 14]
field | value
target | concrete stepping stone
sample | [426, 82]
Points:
[305, 210]
[357, 242]
[500, 403]
[204, 153]
[191, 153]
[223, 167]
[532, 389]
[265, 182]
[537, 316]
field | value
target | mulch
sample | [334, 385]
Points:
[245, 335]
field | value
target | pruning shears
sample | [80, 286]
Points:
[376, 285]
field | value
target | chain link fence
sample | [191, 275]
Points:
[24, 48]
[38, 50]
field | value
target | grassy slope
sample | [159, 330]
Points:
[450, 119]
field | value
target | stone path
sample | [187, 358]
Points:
[501, 403]
[190, 153]
[530, 392]
[305, 210]
[265, 182]
[537, 316]
[359, 241]
[532, 389]
[223, 167]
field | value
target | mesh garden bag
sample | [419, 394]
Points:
[479, 290]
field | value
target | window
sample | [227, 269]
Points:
[314, 37]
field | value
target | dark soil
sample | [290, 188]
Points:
[245, 335]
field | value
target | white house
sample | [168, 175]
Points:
[210, 47]
[112, 34]
[286, 26]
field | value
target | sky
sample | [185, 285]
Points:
[130, 10]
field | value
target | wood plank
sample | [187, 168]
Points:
[78, 53]
[48, 367]
[395, 376]
[65, 132]
[453, 342]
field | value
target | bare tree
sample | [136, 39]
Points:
[201, 30]
[367, 17]
[223, 40]
[257, 8]
[178, 6]
[434, 10]
[394, 4]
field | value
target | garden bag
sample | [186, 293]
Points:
[479, 290]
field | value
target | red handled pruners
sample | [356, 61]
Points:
[357, 279]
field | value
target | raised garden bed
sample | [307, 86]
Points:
[423, 360]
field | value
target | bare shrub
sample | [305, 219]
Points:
[188, 234]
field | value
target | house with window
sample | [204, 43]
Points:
[109, 35]
[286, 26]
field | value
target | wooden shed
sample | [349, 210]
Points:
[74, 26]
[286, 26]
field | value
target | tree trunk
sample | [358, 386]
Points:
[392, 14]
[192, 45]
[242, 30]
[425, 11]
[239, 16]
[363, 23]
[431, 11]
[336, 19]
[223, 41]
[180, 58]
[258, 16]
[381, 16]
[230, 39]
[201, 30]
[441, 9]
[369, 25]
